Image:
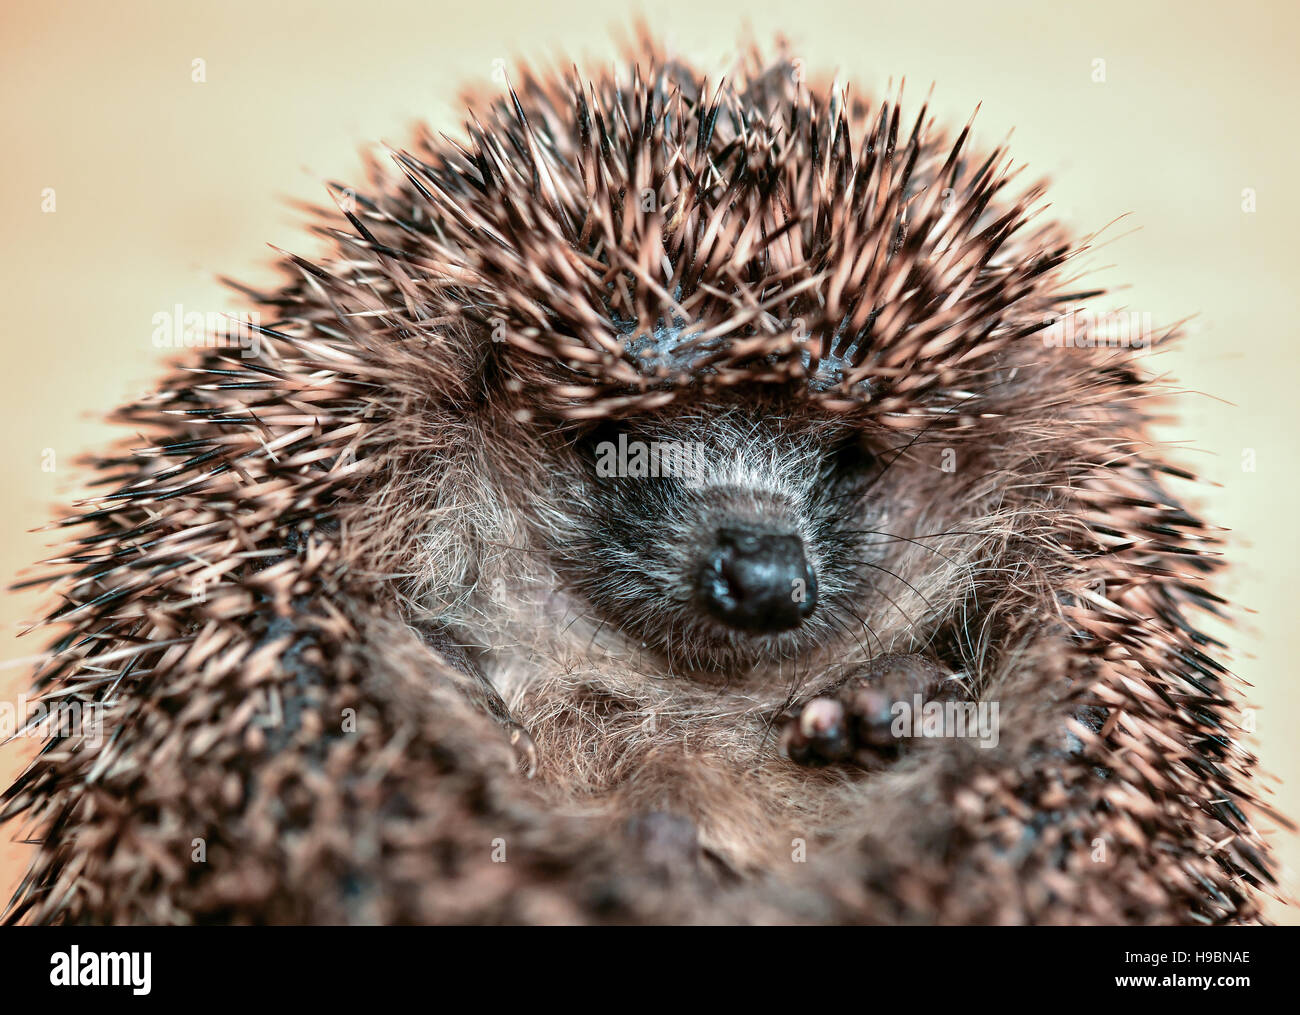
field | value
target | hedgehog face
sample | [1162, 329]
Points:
[727, 537]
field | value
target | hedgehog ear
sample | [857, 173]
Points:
[443, 365]
[484, 362]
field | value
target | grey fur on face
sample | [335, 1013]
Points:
[634, 548]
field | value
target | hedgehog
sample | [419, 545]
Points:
[669, 502]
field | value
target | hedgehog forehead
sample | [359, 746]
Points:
[741, 239]
[669, 345]
[674, 346]
[630, 242]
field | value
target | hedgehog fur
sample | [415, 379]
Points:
[372, 644]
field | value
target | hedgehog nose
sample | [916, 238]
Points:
[757, 582]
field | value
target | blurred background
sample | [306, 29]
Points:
[155, 145]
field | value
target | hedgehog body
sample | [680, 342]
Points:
[373, 566]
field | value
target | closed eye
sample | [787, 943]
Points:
[852, 458]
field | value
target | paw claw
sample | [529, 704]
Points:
[525, 751]
[821, 717]
[819, 735]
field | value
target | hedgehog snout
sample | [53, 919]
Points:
[755, 581]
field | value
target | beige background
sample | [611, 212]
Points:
[162, 183]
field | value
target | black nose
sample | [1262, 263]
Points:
[757, 582]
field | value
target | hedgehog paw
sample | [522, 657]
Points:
[668, 843]
[856, 722]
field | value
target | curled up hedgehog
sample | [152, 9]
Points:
[671, 502]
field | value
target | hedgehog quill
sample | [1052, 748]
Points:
[675, 491]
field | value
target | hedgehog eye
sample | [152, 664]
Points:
[606, 431]
[851, 457]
